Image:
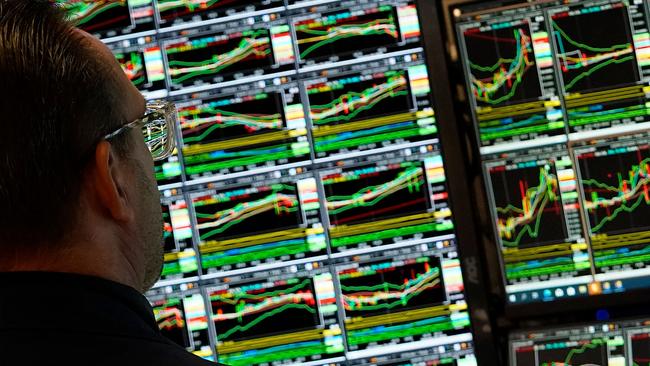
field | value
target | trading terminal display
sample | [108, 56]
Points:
[561, 116]
[539, 230]
[306, 210]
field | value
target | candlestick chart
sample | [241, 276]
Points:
[96, 16]
[170, 316]
[593, 57]
[225, 133]
[219, 57]
[502, 64]
[617, 203]
[361, 110]
[341, 34]
[528, 206]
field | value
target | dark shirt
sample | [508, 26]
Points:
[66, 319]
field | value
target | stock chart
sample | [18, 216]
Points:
[290, 316]
[614, 184]
[508, 69]
[539, 229]
[376, 204]
[560, 109]
[306, 212]
[227, 133]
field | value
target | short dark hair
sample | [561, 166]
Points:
[56, 101]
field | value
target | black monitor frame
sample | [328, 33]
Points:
[456, 161]
[509, 315]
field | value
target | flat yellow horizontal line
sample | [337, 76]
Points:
[319, 131]
[247, 241]
[522, 258]
[243, 141]
[489, 113]
[579, 100]
[179, 255]
[266, 342]
[369, 227]
[614, 241]
[399, 317]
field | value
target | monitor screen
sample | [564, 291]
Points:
[306, 207]
[612, 343]
[558, 94]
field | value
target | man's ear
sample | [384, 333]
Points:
[109, 180]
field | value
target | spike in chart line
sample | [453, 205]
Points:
[539, 204]
[513, 77]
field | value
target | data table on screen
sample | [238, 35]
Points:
[180, 258]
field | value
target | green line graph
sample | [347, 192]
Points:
[412, 179]
[253, 44]
[245, 295]
[217, 119]
[83, 12]
[568, 360]
[349, 105]
[515, 222]
[388, 295]
[281, 199]
[580, 61]
[317, 38]
[506, 75]
[630, 193]
[265, 315]
[241, 309]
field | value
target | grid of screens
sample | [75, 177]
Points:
[561, 112]
[624, 343]
[306, 208]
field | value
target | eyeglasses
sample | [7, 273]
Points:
[158, 127]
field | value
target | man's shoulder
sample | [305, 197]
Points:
[80, 349]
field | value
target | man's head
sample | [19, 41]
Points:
[71, 200]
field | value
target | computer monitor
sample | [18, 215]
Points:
[307, 211]
[558, 96]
